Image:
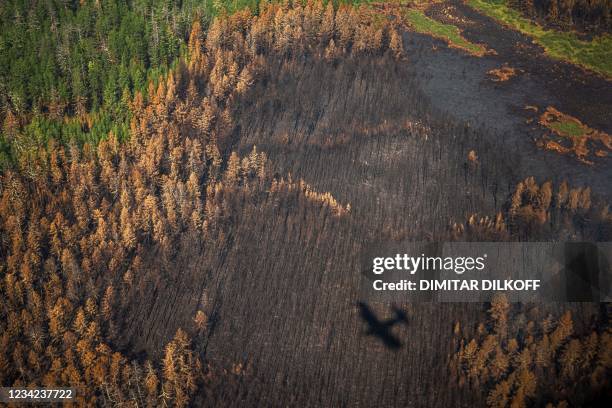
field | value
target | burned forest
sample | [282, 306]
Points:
[207, 250]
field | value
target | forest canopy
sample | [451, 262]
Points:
[147, 148]
[88, 229]
[69, 68]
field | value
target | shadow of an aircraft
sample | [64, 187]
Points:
[382, 329]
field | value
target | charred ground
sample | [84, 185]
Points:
[213, 258]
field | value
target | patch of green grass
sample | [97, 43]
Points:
[595, 55]
[448, 32]
[569, 128]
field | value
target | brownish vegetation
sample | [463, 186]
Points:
[473, 157]
[502, 74]
[536, 211]
[573, 137]
[520, 358]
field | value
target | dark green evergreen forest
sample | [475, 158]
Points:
[68, 68]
